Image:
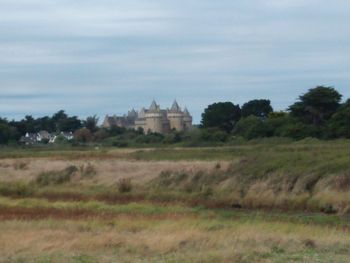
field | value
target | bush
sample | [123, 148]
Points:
[83, 135]
[56, 177]
[214, 135]
[120, 144]
[124, 185]
[252, 127]
[87, 170]
[173, 137]
[339, 124]
[150, 138]
[299, 130]
[16, 189]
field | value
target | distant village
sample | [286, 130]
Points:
[150, 120]
[45, 137]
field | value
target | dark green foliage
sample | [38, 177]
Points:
[5, 133]
[150, 138]
[222, 115]
[60, 121]
[278, 123]
[258, 108]
[252, 127]
[299, 130]
[316, 106]
[63, 122]
[214, 135]
[173, 137]
[339, 124]
[56, 177]
[120, 144]
[91, 123]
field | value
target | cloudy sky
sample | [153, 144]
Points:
[106, 56]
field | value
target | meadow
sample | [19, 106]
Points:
[263, 201]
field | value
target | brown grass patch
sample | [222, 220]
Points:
[14, 213]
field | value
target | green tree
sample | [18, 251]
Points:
[63, 122]
[278, 122]
[316, 106]
[91, 123]
[252, 127]
[258, 108]
[222, 115]
[30, 123]
[298, 130]
[5, 133]
[339, 124]
[69, 124]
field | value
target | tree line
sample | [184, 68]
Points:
[318, 113]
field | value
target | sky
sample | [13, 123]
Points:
[108, 56]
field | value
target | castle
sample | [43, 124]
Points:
[153, 119]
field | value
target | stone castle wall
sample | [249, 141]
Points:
[176, 121]
[153, 120]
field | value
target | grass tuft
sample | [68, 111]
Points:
[56, 177]
[124, 185]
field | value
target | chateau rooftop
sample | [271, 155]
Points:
[153, 119]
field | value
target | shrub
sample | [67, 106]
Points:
[309, 243]
[252, 127]
[16, 189]
[214, 135]
[87, 170]
[83, 135]
[150, 138]
[173, 137]
[56, 177]
[124, 185]
[120, 144]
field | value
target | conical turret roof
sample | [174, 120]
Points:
[154, 106]
[175, 107]
[132, 113]
[142, 113]
[186, 112]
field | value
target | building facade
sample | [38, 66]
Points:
[153, 119]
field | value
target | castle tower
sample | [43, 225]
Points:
[175, 117]
[140, 121]
[132, 114]
[187, 119]
[154, 119]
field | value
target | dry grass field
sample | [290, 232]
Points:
[253, 203]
